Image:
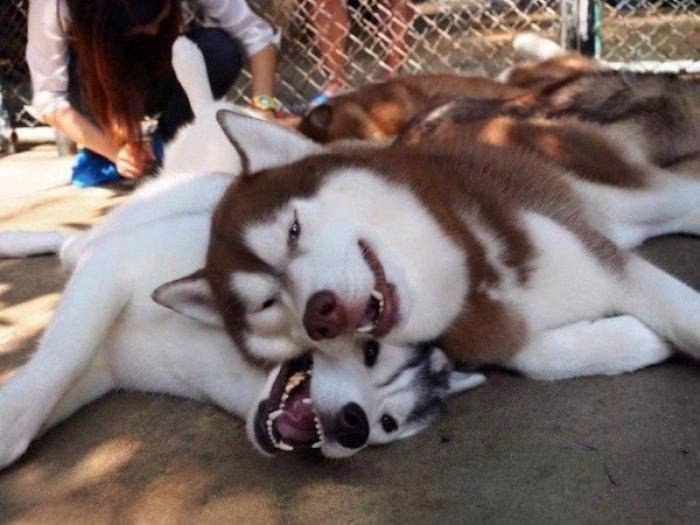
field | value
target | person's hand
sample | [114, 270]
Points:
[134, 159]
[289, 121]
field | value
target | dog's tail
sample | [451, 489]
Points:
[532, 46]
[191, 71]
[662, 302]
[15, 244]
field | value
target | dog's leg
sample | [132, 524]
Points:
[630, 216]
[606, 346]
[94, 383]
[671, 205]
[90, 304]
[23, 243]
[662, 302]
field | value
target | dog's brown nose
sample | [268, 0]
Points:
[325, 317]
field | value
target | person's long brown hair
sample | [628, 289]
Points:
[115, 67]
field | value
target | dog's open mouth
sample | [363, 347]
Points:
[286, 420]
[382, 311]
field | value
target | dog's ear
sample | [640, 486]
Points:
[262, 144]
[456, 381]
[320, 117]
[190, 296]
[461, 381]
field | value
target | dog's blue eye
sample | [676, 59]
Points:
[294, 232]
[371, 353]
[389, 424]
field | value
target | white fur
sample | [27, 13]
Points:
[607, 346]
[535, 47]
[669, 204]
[109, 333]
[567, 282]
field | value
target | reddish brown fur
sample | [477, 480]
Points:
[538, 75]
[378, 111]
[476, 179]
[577, 147]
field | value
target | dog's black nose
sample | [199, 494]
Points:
[351, 426]
[325, 317]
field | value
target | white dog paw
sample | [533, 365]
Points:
[625, 344]
[17, 429]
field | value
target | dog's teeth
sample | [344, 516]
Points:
[272, 437]
[378, 295]
[274, 415]
[307, 401]
[284, 446]
[319, 428]
[317, 444]
[365, 329]
[294, 381]
[285, 396]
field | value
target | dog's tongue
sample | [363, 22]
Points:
[296, 425]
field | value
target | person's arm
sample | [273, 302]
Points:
[131, 162]
[257, 36]
[79, 129]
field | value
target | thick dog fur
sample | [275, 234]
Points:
[378, 111]
[491, 251]
[109, 333]
[656, 114]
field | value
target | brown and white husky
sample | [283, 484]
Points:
[495, 253]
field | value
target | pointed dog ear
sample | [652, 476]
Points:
[190, 296]
[262, 144]
[461, 381]
[320, 117]
[456, 381]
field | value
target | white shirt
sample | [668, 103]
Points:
[47, 45]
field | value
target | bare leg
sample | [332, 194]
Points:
[396, 16]
[332, 28]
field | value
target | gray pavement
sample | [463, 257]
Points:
[598, 450]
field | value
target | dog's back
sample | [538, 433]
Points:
[380, 110]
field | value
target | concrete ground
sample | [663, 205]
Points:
[603, 450]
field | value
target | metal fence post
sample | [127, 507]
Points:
[590, 14]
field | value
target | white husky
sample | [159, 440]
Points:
[109, 333]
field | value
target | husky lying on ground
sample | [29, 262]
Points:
[659, 114]
[487, 251]
[378, 111]
[109, 333]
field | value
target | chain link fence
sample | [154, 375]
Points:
[329, 43]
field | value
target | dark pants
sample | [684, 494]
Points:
[223, 57]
